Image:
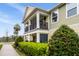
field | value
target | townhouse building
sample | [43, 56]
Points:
[40, 24]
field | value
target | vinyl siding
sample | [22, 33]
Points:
[63, 20]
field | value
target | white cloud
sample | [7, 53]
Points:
[4, 18]
[8, 19]
[3, 15]
[18, 7]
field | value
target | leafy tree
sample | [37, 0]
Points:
[16, 29]
[64, 41]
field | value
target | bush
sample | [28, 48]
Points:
[0, 46]
[26, 41]
[18, 39]
[64, 41]
[33, 49]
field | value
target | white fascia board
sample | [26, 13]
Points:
[38, 31]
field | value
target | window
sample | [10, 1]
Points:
[72, 12]
[71, 9]
[55, 16]
[43, 37]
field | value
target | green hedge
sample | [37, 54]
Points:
[33, 49]
[0, 46]
[64, 42]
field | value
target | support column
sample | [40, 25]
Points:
[38, 37]
[29, 25]
[29, 38]
[38, 19]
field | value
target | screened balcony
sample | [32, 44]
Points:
[37, 21]
[33, 23]
[26, 29]
[43, 22]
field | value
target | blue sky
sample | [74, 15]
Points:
[11, 14]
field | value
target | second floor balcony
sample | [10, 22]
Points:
[44, 25]
[32, 27]
[37, 23]
[26, 28]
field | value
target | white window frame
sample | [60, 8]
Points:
[72, 15]
[57, 16]
[77, 8]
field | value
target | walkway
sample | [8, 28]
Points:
[8, 50]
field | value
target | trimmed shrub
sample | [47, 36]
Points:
[18, 39]
[33, 49]
[64, 41]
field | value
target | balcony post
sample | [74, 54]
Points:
[38, 19]
[29, 37]
[38, 37]
[29, 26]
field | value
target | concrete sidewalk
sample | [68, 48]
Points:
[8, 50]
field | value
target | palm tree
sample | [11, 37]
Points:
[16, 29]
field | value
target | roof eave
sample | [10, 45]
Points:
[58, 6]
[29, 15]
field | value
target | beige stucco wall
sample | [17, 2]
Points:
[63, 20]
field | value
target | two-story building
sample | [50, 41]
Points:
[40, 24]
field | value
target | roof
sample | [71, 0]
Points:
[35, 9]
[25, 13]
[58, 6]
